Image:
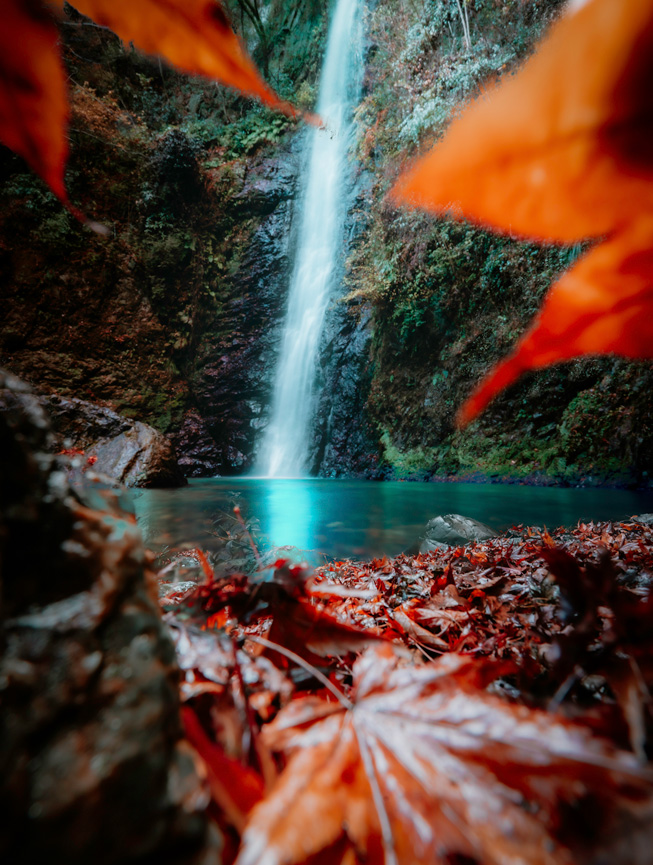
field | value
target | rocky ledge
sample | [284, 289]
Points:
[130, 452]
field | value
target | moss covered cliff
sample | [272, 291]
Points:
[449, 300]
[157, 320]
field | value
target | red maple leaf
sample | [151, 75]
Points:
[423, 765]
[194, 35]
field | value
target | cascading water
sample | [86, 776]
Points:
[319, 252]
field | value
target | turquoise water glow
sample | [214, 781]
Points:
[360, 519]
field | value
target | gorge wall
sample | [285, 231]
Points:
[174, 319]
[171, 318]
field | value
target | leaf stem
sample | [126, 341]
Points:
[293, 656]
[390, 854]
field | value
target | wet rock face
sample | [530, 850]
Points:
[80, 424]
[91, 768]
[344, 442]
[233, 385]
[269, 185]
[199, 456]
[131, 452]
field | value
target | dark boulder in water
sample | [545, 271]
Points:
[454, 530]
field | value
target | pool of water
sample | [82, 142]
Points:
[360, 519]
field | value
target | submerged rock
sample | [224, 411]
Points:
[646, 519]
[91, 764]
[128, 451]
[454, 530]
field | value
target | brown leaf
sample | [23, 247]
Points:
[425, 766]
[415, 631]
[314, 632]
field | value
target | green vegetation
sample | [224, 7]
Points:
[449, 299]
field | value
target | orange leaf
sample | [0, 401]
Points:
[561, 152]
[234, 787]
[602, 305]
[426, 767]
[315, 633]
[194, 35]
[33, 103]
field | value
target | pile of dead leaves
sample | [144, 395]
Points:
[482, 704]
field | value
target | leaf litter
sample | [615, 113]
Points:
[479, 704]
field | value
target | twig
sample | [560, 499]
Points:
[293, 656]
[240, 519]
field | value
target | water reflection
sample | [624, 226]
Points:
[362, 518]
[287, 515]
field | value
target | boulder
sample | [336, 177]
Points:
[454, 530]
[92, 766]
[128, 451]
[645, 519]
[139, 457]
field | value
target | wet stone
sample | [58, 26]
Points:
[91, 764]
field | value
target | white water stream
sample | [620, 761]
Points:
[320, 247]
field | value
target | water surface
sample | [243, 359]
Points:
[360, 519]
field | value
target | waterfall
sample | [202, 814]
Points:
[320, 246]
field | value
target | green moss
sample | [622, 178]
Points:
[449, 300]
[408, 463]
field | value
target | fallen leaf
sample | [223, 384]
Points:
[315, 633]
[423, 765]
[308, 629]
[561, 152]
[634, 698]
[420, 635]
[236, 788]
[207, 662]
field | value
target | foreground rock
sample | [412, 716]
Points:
[132, 453]
[454, 530]
[91, 765]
